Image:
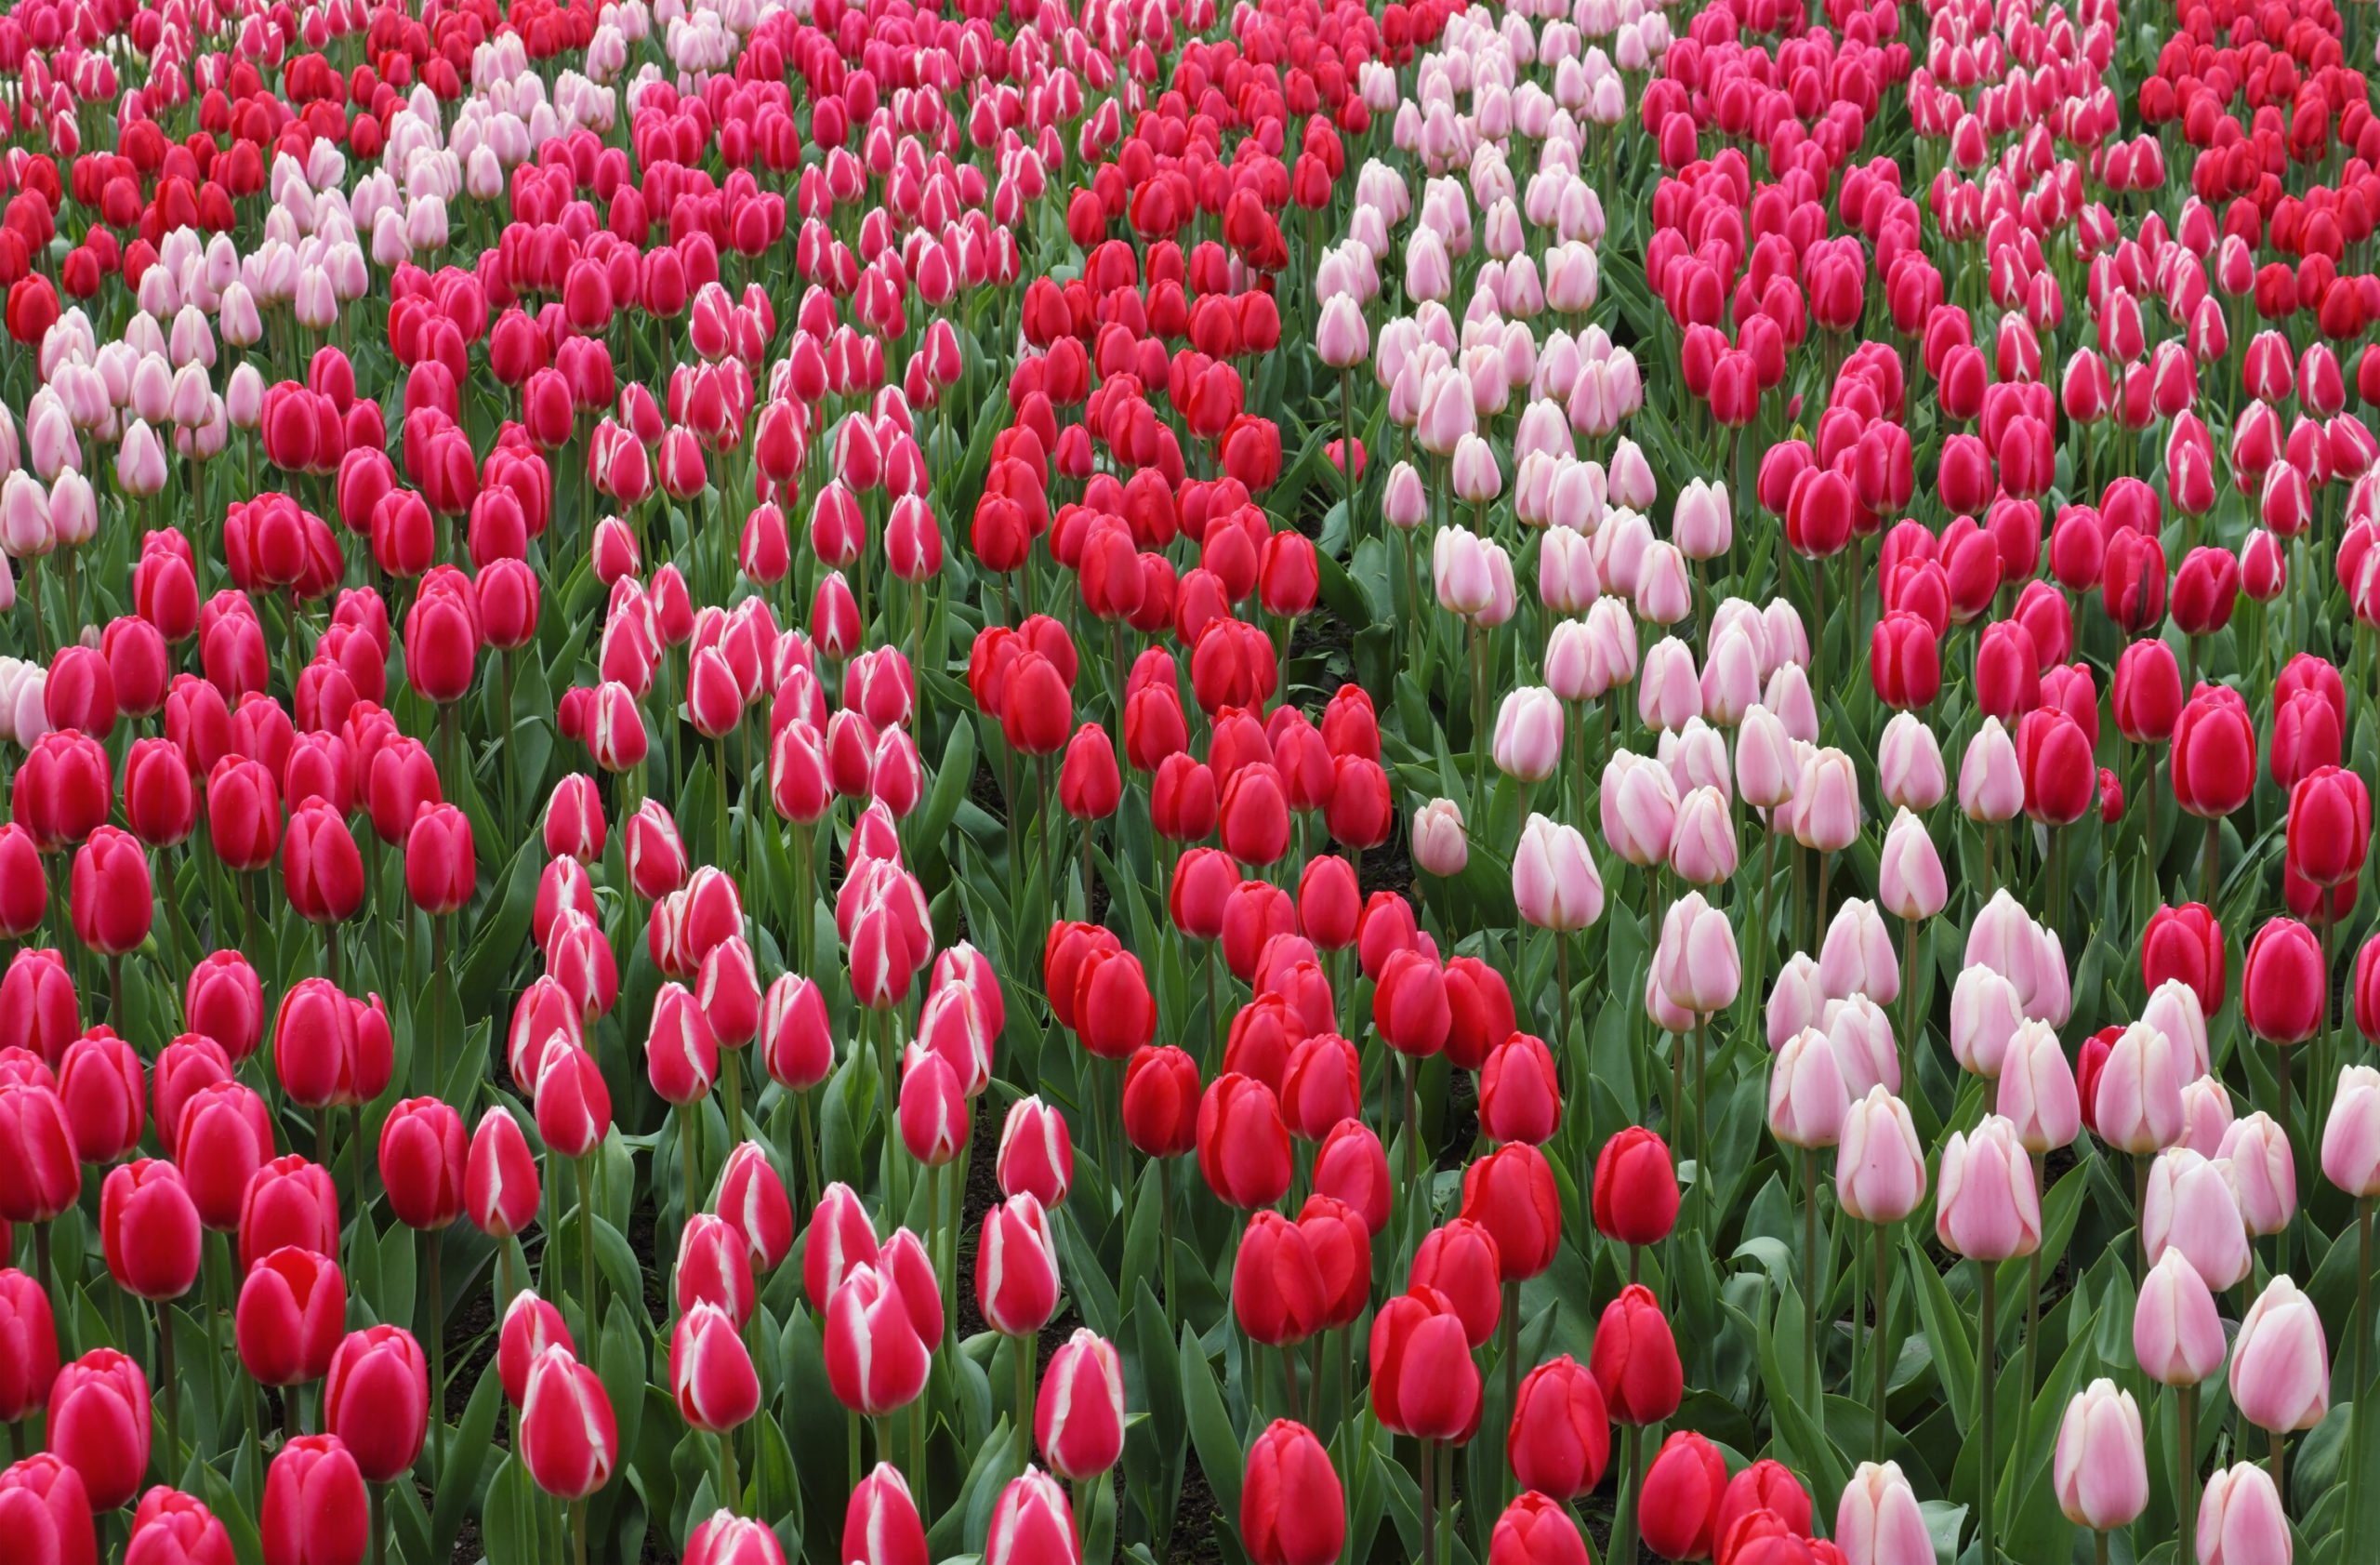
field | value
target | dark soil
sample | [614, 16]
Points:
[1195, 1516]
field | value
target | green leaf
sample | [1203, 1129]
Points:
[1220, 1455]
[503, 931]
[509, 1523]
[1946, 1334]
[469, 1448]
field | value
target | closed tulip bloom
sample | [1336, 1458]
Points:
[1860, 1033]
[1985, 1014]
[1423, 1381]
[2214, 754]
[1079, 1417]
[572, 1105]
[39, 1174]
[288, 1202]
[876, 1360]
[1031, 1524]
[1991, 783]
[1702, 849]
[149, 1229]
[2189, 1207]
[725, 1538]
[376, 1399]
[112, 898]
[2037, 1093]
[1536, 1530]
[1635, 1197]
[1636, 1360]
[1806, 1099]
[1528, 742]
[2172, 1008]
[2351, 1136]
[710, 1371]
[1511, 1193]
[796, 1046]
[1555, 881]
[569, 1440]
[882, 1525]
[1520, 1097]
[100, 1082]
[2280, 1367]
[1681, 1493]
[2256, 1158]
[1016, 1267]
[2241, 1520]
[422, 1162]
[2282, 985]
[48, 1511]
[1826, 803]
[98, 1424]
[1909, 880]
[1560, 1439]
[2101, 1467]
[28, 1345]
[1879, 1164]
[1275, 1287]
[2136, 1103]
[1909, 764]
[440, 871]
[316, 1508]
[1878, 1521]
[1696, 961]
[713, 1267]
[1440, 845]
[171, 1527]
[1858, 956]
[2176, 1337]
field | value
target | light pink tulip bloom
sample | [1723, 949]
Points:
[1856, 957]
[1702, 525]
[1984, 1015]
[1639, 809]
[2280, 1365]
[1554, 881]
[1909, 882]
[1570, 666]
[1806, 1097]
[2003, 939]
[1909, 764]
[1879, 1165]
[1440, 845]
[2174, 1010]
[2138, 1107]
[2351, 1136]
[1788, 695]
[1878, 1521]
[2101, 1467]
[1696, 958]
[1991, 788]
[1764, 773]
[2177, 1338]
[2189, 1208]
[1730, 677]
[2206, 1116]
[1795, 1001]
[2255, 1157]
[1670, 692]
[2241, 1520]
[1696, 756]
[1666, 1014]
[1826, 800]
[1526, 744]
[1860, 1032]
[1702, 848]
[2037, 1093]
[1611, 632]
[1987, 1208]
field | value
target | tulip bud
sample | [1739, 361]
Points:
[2101, 1467]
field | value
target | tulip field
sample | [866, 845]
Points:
[932, 782]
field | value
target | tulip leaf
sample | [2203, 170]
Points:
[1221, 1457]
[503, 929]
[621, 1268]
[967, 1521]
[469, 1448]
[1087, 1281]
[393, 1300]
[1946, 1334]
[778, 1491]
[239, 1522]
[509, 1524]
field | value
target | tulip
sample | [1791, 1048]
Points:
[1424, 1382]
[1535, 1530]
[881, 1525]
[99, 1425]
[316, 1508]
[2282, 985]
[2136, 1101]
[28, 1346]
[2189, 1207]
[1560, 1438]
[2101, 1467]
[1879, 1167]
[292, 1311]
[711, 1373]
[569, 1438]
[1078, 1419]
[376, 1399]
[1554, 880]
[1031, 1524]
[1635, 1194]
[2256, 1160]
[1680, 1496]
[1293, 1510]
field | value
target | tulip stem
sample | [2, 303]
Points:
[1809, 1255]
[1876, 1345]
[809, 1146]
[2186, 1472]
[434, 1306]
[169, 1466]
[686, 1159]
[1412, 1130]
[735, 1063]
[2280, 1469]
[733, 1497]
[1212, 1024]
[1624, 1520]
[718, 767]
[1987, 1479]
[577, 1529]
[2140, 1211]
[2360, 1432]
[1510, 1353]
[1165, 1230]
[1429, 1502]
[2210, 864]
[41, 1258]
[1024, 1347]
[586, 1241]
[379, 1523]
[852, 1422]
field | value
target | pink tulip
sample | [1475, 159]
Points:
[2280, 1365]
[1878, 1521]
[1909, 764]
[1696, 960]
[1858, 956]
[1879, 1163]
[2176, 1335]
[1554, 881]
[1796, 1000]
[2241, 1520]
[2037, 1091]
[1826, 803]
[1861, 1036]
[1987, 1208]
[2137, 1107]
[1806, 1100]
[2189, 1207]
[1669, 691]
[2101, 1467]
[1909, 882]
[1991, 784]
[1985, 1014]
[2206, 1116]
[2351, 1136]
[1702, 846]
[2257, 1158]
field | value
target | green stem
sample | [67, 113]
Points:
[1883, 1310]
[734, 1497]
[2185, 1471]
[1622, 1545]
[1987, 1480]
[586, 1242]
[1024, 1348]
[170, 1464]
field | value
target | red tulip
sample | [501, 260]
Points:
[1561, 1436]
[98, 1424]
[1681, 1495]
[289, 1201]
[291, 1317]
[1292, 1509]
[149, 1229]
[315, 1509]
[569, 1438]
[1424, 1382]
[1635, 1358]
[48, 1512]
[376, 1399]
